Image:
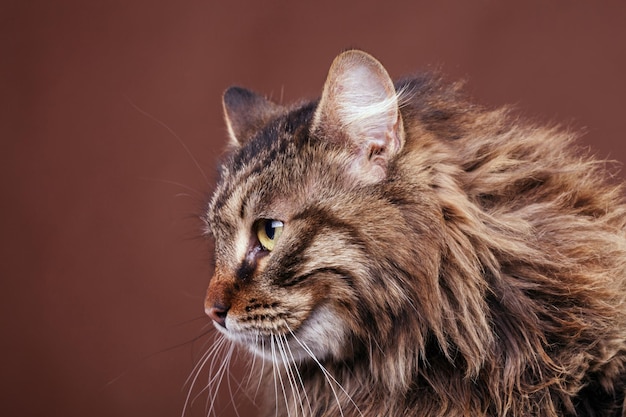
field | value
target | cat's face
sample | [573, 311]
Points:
[277, 253]
[302, 218]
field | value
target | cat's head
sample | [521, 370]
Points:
[308, 219]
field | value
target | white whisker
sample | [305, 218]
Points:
[290, 376]
[274, 375]
[280, 378]
[252, 366]
[197, 194]
[299, 379]
[230, 390]
[329, 378]
[217, 344]
[178, 138]
[219, 376]
[262, 372]
[195, 373]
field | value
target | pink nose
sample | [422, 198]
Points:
[217, 313]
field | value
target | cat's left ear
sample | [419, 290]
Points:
[359, 109]
[245, 113]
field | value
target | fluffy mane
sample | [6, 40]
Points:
[452, 260]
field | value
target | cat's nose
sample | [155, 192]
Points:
[217, 313]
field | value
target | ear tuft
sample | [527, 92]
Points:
[359, 109]
[246, 112]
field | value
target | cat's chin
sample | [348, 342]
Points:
[321, 336]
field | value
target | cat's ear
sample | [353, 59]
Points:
[245, 112]
[359, 109]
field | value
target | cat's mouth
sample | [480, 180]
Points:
[318, 336]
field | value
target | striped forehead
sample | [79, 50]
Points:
[278, 143]
[247, 178]
[243, 177]
[275, 138]
[265, 166]
[231, 201]
[229, 217]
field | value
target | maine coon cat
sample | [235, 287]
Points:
[394, 250]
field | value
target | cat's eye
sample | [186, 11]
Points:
[268, 231]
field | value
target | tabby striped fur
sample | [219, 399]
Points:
[437, 258]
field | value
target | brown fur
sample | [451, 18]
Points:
[471, 265]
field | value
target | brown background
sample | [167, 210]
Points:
[101, 269]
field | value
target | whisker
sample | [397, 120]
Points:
[154, 354]
[241, 390]
[219, 376]
[210, 342]
[327, 375]
[297, 372]
[252, 366]
[279, 372]
[195, 373]
[288, 373]
[280, 378]
[274, 374]
[230, 389]
[261, 374]
[180, 141]
[324, 372]
[197, 194]
[217, 344]
[200, 317]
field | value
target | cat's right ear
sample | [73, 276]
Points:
[245, 113]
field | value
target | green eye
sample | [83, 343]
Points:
[268, 231]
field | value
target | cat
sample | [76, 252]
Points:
[395, 250]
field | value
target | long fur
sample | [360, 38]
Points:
[484, 276]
